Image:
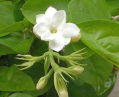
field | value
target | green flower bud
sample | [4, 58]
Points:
[76, 38]
[77, 69]
[42, 83]
[72, 70]
[63, 93]
[44, 80]
[60, 85]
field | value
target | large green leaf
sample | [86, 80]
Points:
[84, 90]
[16, 27]
[97, 70]
[11, 79]
[17, 12]
[102, 37]
[113, 6]
[34, 7]
[102, 88]
[6, 14]
[86, 10]
[15, 43]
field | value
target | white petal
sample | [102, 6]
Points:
[50, 12]
[46, 36]
[59, 18]
[67, 40]
[70, 30]
[41, 18]
[39, 29]
[58, 43]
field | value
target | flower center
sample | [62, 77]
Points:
[53, 30]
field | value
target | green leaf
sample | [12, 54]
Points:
[97, 70]
[102, 37]
[34, 7]
[6, 14]
[72, 47]
[84, 90]
[17, 12]
[15, 43]
[86, 10]
[20, 95]
[113, 6]
[14, 80]
[102, 88]
[16, 27]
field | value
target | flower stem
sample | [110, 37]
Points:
[50, 73]
[57, 55]
[63, 58]
[53, 63]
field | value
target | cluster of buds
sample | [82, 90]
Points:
[60, 82]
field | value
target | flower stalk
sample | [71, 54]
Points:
[53, 63]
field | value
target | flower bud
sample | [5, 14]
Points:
[76, 38]
[44, 80]
[63, 93]
[42, 83]
[78, 70]
[60, 85]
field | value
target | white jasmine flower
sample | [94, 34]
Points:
[52, 27]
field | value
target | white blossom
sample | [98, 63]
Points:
[52, 27]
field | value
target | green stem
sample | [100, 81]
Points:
[53, 63]
[57, 55]
[63, 58]
[41, 57]
[50, 73]
[38, 59]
